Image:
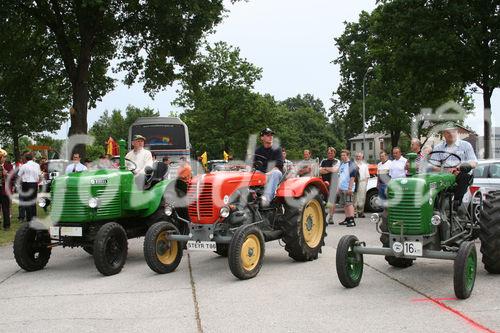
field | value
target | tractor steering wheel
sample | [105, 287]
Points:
[130, 165]
[443, 157]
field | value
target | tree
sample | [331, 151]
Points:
[32, 86]
[115, 125]
[221, 110]
[378, 52]
[151, 40]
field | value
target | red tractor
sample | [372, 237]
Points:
[223, 213]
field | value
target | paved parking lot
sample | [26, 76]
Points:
[203, 296]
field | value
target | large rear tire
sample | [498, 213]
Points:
[489, 233]
[246, 252]
[110, 249]
[464, 270]
[384, 239]
[304, 226]
[162, 255]
[349, 264]
[30, 247]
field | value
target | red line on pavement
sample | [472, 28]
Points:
[437, 299]
[469, 320]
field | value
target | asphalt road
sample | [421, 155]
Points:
[203, 296]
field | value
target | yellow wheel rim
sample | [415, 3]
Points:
[312, 223]
[166, 250]
[250, 252]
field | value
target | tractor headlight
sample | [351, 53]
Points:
[224, 212]
[43, 202]
[375, 217]
[93, 202]
[436, 220]
[169, 210]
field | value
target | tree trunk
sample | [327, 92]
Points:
[15, 143]
[78, 114]
[487, 121]
[395, 135]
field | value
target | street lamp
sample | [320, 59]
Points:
[364, 111]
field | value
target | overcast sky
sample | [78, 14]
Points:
[292, 40]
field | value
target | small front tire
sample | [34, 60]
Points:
[31, 249]
[162, 255]
[110, 249]
[246, 252]
[464, 270]
[349, 263]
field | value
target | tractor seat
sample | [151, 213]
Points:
[155, 174]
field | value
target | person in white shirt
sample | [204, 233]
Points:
[76, 166]
[364, 174]
[383, 178]
[30, 174]
[142, 158]
[398, 164]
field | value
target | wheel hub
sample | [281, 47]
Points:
[309, 223]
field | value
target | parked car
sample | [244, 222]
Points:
[487, 175]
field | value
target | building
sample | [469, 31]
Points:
[375, 143]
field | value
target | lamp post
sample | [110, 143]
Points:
[364, 116]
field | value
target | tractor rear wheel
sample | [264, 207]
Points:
[162, 255]
[31, 247]
[246, 252]
[304, 226]
[384, 238]
[489, 233]
[349, 263]
[110, 249]
[464, 270]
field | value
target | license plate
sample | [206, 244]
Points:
[413, 249]
[201, 245]
[66, 231]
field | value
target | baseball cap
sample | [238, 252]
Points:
[449, 125]
[266, 130]
[139, 137]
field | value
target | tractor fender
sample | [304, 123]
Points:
[294, 187]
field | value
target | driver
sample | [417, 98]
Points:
[272, 164]
[463, 149]
[140, 156]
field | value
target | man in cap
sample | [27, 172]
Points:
[452, 144]
[271, 159]
[140, 156]
[5, 188]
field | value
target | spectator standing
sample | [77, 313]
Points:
[398, 164]
[328, 170]
[383, 177]
[5, 188]
[348, 172]
[21, 208]
[76, 166]
[30, 175]
[287, 164]
[305, 166]
[360, 195]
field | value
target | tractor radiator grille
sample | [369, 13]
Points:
[200, 201]
[407, 210]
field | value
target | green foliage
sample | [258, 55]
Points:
[398, 41]
[33, 90]
[116, 125]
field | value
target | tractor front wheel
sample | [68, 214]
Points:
[464, 268]
[110, 249]
[162, 255]
[489, 233]
[304, 226]
[246, 252]
[222, 249]
[349, 263]
[31, 248]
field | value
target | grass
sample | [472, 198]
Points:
[7, 237]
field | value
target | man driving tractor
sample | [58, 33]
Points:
[271, 163]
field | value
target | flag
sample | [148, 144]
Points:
[226, 156]
[204, 159]
[112, 147]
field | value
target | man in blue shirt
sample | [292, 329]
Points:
[271, 159]
[348, 173]
[452, 144]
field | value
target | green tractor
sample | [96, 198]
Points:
[420, 221]
[97, 210]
